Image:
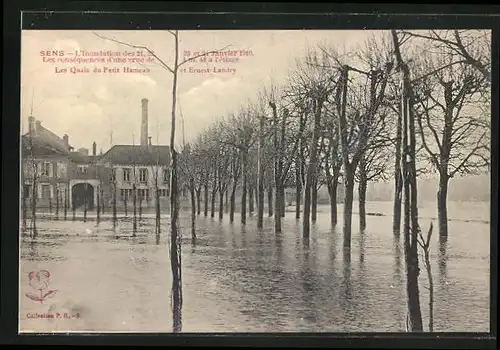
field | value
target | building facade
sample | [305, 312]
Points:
[143, 167]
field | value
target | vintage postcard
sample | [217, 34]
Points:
[255, 181]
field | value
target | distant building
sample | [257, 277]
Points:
[46, 162]
[146, 166]
[60, 172]
[50, 164]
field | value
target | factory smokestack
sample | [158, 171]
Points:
[144, 123]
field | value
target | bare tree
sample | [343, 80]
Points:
[425, 245]
[470, 47]
[333, 166]
[312, 82]
[33, 175]
[372, 166]
[453, 134]
[175, 246]
[411, 227]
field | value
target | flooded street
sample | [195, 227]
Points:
[239, 279]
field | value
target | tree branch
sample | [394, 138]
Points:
[201, 55]
[163, 64]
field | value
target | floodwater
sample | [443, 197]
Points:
[239, 279]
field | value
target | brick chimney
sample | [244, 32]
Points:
[66, 140]
[144, 122]
[94, 149]
[149, 138]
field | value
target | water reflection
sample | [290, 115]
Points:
[309, 283]
[362, 239]
[443, 261]
[396, 243]
[243, 279]
[332, 238]
[346, 286]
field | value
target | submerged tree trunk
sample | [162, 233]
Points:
[221, 204]
[312, 168]
[442, 205]
[250, 198]
[98, 209]
[198, 201]
[270, 208]
[314, 202]
[212, 202]
[298, 191]
[141, 198]
[157, 210]
[33, 208]
[193, 210]
[134, 199]
[175, 242]
[282, 200]
[73, 206]
[332, 191]
[261, 174]
[277, 209]
[65, 203]
[102, 201]
[398, 181]
[226, 206]
[114, 205]
[362, 186]
[411, 229]
[205, 194]
[233, 202]
[85, 204]
[244, 189]
[348, 199]
[24, 205]
[57, 203]
[260, 178]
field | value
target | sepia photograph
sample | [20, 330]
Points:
[180, 181]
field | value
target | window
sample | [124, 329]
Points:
[163, 192]
[61, 170]
[83, 169]
[46, 192]
[27, 191]
[166, 175]
[126, 175]
[143, 193]
[45, 169]
[126, 193]
[143, 175]
[112, 175]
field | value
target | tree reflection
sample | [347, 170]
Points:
[443, 260]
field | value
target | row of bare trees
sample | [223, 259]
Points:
[340, 116]
[404, 104]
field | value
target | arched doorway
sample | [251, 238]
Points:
[83, 192]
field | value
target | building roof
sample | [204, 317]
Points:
[138, 155]
[44, 142]
[39, 145]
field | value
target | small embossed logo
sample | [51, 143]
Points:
[39, 281]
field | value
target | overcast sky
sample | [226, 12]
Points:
[87, 106]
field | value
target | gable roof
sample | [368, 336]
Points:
[138, 155]
[38, 145]
[42, 141]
